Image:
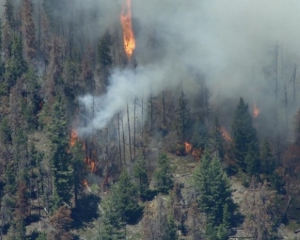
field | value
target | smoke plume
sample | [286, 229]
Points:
[242, 48]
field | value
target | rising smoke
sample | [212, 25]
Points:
[239, 46]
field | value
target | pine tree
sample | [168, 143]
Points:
[28, 30]
[79, 169]
[201, 134]
[183, 119]
[268, 164]
[120, 207]
[163, 174]
[103, 51]
[15, 66]
[140, 172]
[128, 198]
[171, 229]
[9, 13]
[60, 158]
[217, 141]
[244, 136]
[214, 194]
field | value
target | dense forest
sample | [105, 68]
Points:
[109, 131]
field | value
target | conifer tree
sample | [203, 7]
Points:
[15, 66]
[244, 137]
[214, 195]
[140, 172]
[60, 158]
[79, 168]
[201, 134]
[183, 119]
[127, 196]
[163, 174]
[120, 207]
[28, 30]
[103, 51]
[217, 141]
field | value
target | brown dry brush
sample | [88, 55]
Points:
[260, 211]
[61, 223]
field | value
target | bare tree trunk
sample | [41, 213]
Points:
[151, 113]
[129, 135]
[134, 127]
[124, 155]
[164, 108]
[142, 118]
[119, 134]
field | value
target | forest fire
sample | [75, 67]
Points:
[74, 137]
[90, 163]
[188, 147]
[225, 134]
[128, 35]
[256, 111]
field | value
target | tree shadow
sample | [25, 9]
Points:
[87, 210]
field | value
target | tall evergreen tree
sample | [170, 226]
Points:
[28, 30]
[216, 140]
[60, 158]
[244, 137]
[201, 134]
[163, 174]
[103, 51]
[15, 66]
[183, 118]
[214, 195]
[140, 172]
[120, 207]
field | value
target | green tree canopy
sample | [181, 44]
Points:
[244, 136]
[214, 195]
[183, 118]
[163, 174]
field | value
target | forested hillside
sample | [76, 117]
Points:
[123, 120]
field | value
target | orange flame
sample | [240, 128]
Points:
[256, 111]
[225, 134]
[128, 35]
[73, 139]
[90, 163]
[188, 147]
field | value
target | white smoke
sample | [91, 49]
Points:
[231, 42]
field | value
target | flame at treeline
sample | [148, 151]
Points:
[256, 111]
[187, 147]
[73, 139]
[225, 134]
[128, 35]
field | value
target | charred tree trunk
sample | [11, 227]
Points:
[124, 155]
[129, 135]
[134, 127]
[119, 135]
[151, 114]
[164, 108]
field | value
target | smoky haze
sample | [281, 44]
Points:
[240, 47]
